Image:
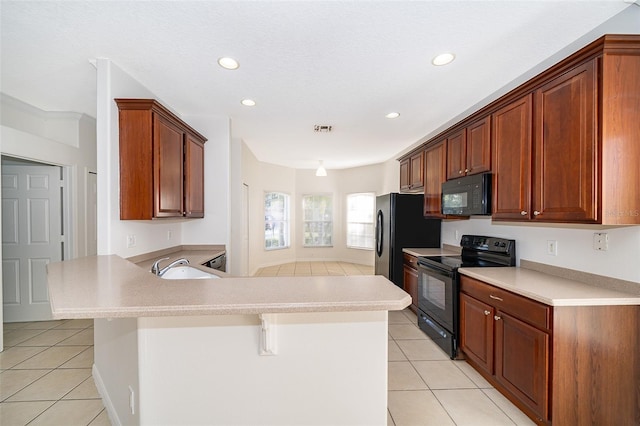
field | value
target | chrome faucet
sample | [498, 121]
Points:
[159, 272]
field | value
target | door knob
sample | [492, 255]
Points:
[523, 213]
[487, 312]
[536, 212]
[497, 317]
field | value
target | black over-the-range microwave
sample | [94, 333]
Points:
[466, 196]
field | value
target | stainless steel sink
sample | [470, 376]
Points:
[187, 273]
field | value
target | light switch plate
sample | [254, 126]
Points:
[552, 247]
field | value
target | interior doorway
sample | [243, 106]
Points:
[245, 230]
[33, 235]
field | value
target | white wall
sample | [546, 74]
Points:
[117, 344]
[574, 243]
[214, 228]
[58, 138]
[264, 177]
[212, 365]
[152, 235]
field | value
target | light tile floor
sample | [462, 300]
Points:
[428, 388]
[314, 268]
[45, 375]
[45, 372]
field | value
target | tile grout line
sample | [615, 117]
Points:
[58, 344]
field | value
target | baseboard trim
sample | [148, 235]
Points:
[106, 401]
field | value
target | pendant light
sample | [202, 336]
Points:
[321, 170]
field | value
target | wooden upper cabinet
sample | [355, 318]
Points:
[565, 148]
[417, 171]
[405, 177]
[194, 177]
[161, 163]
[469, 150]
[412, 173]
[478, 153]
[435, 158]
[562, 147]
[620, 132]
[456, 148]
[167, 167]
[511, 141]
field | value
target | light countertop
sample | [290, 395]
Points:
[550, 289]
[112, 287]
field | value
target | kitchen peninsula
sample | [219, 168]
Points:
[290, 350]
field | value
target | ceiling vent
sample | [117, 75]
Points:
[321, 128]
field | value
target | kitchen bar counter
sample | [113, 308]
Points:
[112, 287]
[200, 351]
[550, 289]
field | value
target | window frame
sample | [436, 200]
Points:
[286, 221]
[372, 223]
[305, 221]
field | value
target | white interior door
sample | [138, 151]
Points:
[31, 238]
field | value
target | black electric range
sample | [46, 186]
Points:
[439, 285]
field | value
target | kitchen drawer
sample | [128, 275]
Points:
[410, 260]
[527, 310]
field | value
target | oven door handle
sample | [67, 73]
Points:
[429, 270]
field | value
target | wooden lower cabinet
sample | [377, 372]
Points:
[561, 365]
[522, 361]
[477, 339]
[410, 279]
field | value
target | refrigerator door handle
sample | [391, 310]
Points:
[379, 233]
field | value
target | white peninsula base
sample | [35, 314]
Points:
[327, 368]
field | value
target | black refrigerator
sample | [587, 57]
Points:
[400, 224]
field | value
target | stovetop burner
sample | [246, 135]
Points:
[477, 251]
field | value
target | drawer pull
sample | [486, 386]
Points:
[497, 317]
[487, 312]
[495, 297]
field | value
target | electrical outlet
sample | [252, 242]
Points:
[601, 241]
[456, 235]
[169, 235]
[552, 247]
[131, 241]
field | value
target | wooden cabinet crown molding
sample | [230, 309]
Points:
[157, 107]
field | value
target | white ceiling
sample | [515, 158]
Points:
[345, 64]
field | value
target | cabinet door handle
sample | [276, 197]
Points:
[487, 312]
[459, 172]
[497, 317]
[467, 170]
[536, 212]
[523, 213]
[495, 297]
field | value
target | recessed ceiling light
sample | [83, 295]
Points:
[393, 115]
[443, 59]
[248, 102]
[228, 63]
